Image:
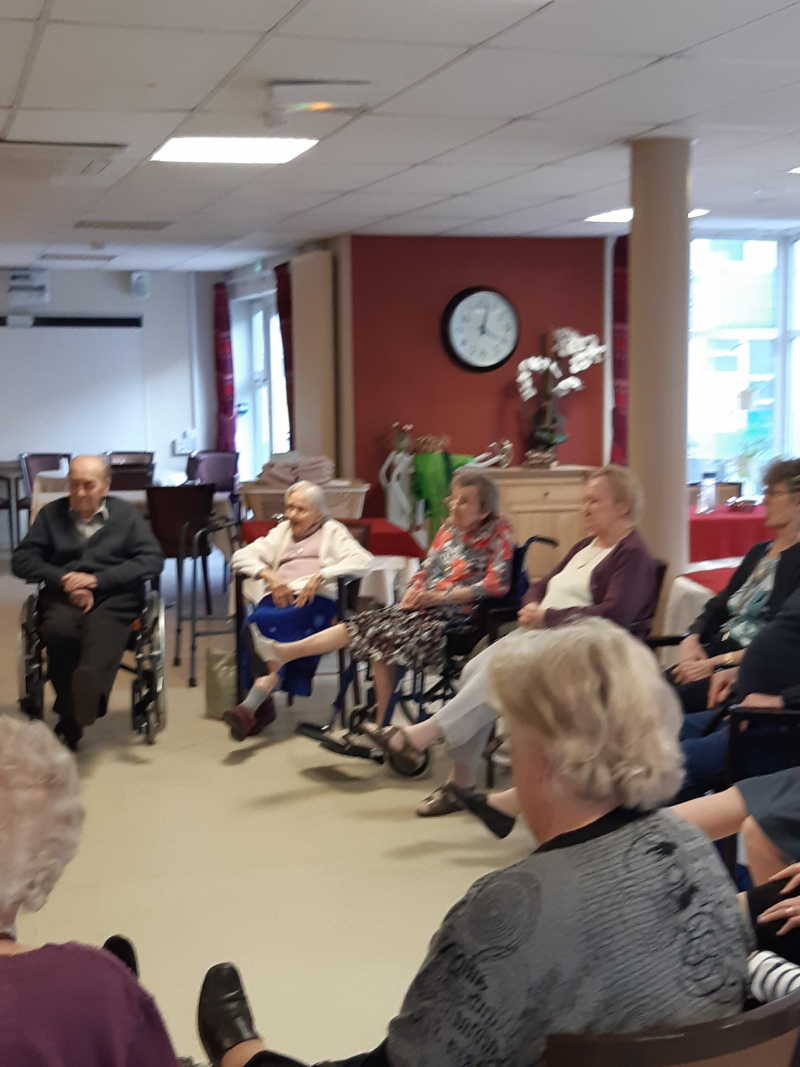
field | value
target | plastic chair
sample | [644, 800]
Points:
[764, 1037]
[177, 513]
[31, 464]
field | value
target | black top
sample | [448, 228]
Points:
[606, 824]
[772, 661]
[715, 614]
[121, 554]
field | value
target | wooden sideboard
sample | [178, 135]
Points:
[544, 502]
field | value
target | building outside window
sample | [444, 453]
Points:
[262, 424]
[741, 351]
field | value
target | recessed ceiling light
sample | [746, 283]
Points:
[625, 214]
[795, 170]
[262, 150]
[622, 214]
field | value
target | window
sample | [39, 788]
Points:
[744, 357]
[262, 425]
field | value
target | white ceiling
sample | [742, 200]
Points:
[479, 117]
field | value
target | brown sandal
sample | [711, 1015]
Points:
[440, 802]
[407, 760]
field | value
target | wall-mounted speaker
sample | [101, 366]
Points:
[140, 284]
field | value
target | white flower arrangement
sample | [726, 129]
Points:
[578, 353]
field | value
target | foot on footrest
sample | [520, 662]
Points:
[344, 747]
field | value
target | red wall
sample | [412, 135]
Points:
[402, 374]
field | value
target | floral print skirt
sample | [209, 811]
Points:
[411, 638]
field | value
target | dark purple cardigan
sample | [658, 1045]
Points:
[623, 586]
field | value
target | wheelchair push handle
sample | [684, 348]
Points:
[538, 540]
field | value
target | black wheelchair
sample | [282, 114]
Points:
[414, 693]
[147, 643]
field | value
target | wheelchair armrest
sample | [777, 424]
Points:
[665, 640]
[496, 618]
[790, 716]
[344, 584]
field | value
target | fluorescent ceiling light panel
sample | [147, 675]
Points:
[258, 150]
[625, 214]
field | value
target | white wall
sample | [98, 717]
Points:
[177, 349]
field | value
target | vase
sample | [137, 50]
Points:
[540, 457]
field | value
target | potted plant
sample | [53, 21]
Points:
[544, 377]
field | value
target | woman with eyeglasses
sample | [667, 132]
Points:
[768, 574]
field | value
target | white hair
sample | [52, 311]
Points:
[313, 494]
[597, 701]
[40, 813]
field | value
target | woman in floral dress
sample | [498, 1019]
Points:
[469, 560]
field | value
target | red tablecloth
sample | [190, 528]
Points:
[385, 539]
[715, 579]
[722, 533]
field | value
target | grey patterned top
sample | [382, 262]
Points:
[626, 924]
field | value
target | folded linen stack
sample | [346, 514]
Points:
[282, 471]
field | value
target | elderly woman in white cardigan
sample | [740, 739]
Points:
[297, 565]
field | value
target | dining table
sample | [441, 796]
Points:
[726, 532]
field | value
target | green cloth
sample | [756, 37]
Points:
[432, 474]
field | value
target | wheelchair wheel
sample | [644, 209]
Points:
[156, 630]
[404, 773]
[151, 726]
[30, 664]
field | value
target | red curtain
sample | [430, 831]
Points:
[619, 439]
[223, 356]
[284, 303]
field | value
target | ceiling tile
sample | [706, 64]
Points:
[769, 40]
[440, 180]
[779, 110]
[127, 69]
[533, 143]
[411, 224]
[15, 39]
[20, 255]
[368, 202]
[672, 89]
[21, 9]
[505, 84]
[561, 179]
[464, 22]
[234, 15]
[394, 139]
[260, 202]
[637, 27]
[386, 67]
[305, 175]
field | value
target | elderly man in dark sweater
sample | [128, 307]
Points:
[91, 553]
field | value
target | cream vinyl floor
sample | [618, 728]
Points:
[311, 872]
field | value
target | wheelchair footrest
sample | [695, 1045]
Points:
[343, 746]
[313, 731]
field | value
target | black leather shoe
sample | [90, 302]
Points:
[121, 947]
[69, 733]
[223, 1014]
[498, 822]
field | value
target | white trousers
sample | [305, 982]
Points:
[466, 721]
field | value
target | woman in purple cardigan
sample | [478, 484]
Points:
[610, 574]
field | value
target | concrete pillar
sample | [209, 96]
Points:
[314, 346]
[659, 327]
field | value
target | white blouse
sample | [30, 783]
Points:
[570, 587]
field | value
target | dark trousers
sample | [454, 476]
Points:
[366, 1059]
[94, 642]
[761, 750]
[694, 695]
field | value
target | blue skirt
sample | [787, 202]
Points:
[291, 624]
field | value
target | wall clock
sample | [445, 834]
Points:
[480, 329]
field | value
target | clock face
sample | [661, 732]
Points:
[480, 329]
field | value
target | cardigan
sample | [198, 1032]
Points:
[623, 587]
[340, 556]
[72, 1005]
[121, 554]
[715, 614]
